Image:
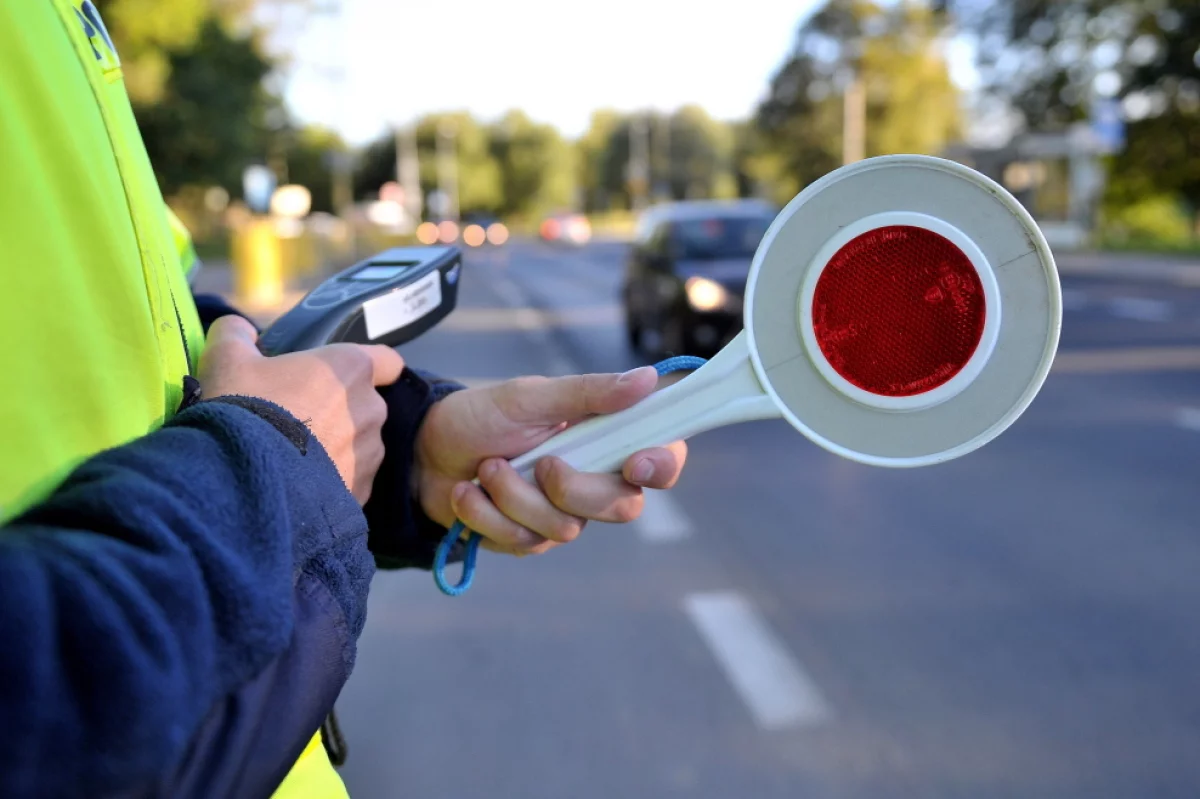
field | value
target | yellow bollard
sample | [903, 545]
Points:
[258, 270]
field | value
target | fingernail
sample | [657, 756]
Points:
[643, 470]
[488, 469]
[459, 491]
[632, 374]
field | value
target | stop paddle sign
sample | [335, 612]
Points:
[902, 311]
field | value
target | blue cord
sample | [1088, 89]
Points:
[679, 363]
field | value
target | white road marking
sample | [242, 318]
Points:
[769, 680]
[508, 291]
[1141, 309]
[1188, 419]
[662, 520]
[1128, 359]
[558, 362]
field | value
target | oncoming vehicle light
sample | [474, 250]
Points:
[497, 233]
[427, 233]
[704, 294]
[473, 235]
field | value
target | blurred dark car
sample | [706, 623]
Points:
[686, 272]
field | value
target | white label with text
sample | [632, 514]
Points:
[402, 307]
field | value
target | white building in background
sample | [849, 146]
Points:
[1058, 177]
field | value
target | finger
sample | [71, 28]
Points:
[477, 512]
[659, 467]
[561, 399]
[600, 497]
[524, 503]
[368, 455]
[492, 546]
[234, 336]
[386, 364]
[368, 411]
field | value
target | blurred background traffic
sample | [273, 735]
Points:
[1023, 622]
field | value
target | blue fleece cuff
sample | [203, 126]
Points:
[401, 534]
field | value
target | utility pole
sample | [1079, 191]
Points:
[447, 168]
[639, 159]
[338, 161]
[408, 170]
[663, 157]
[854, 120]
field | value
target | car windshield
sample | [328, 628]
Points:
[715, 237]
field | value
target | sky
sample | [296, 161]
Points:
[557, 61]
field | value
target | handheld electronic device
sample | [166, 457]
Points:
[390, 298]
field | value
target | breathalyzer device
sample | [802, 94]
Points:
[390, 298]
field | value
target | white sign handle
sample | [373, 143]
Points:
[723, 391]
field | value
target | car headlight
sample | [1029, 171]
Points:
[704, 294]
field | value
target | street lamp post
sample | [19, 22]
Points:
[408, 170]
[639, 159]
[447, 168]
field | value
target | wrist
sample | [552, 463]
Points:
[430, 498]
[402, 532]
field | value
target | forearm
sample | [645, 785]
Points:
[167, 590]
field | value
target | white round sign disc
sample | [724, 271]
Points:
[903, 311]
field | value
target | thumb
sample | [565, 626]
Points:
[233, 337]
[568, 399]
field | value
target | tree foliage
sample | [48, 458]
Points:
[478, 174]
[1052, 60]
[213, 117]
[912, 105]
[690, 155]
[308, 154]
[538, 172]
[195, 71]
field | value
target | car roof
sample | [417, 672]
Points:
[698, 209]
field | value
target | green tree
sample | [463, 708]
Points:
[912, 105]
[145, 33]
[1051, 61]
[214, 115]
[592, 153]
[478, 174]
[195, 72]
[699, 160]
[309, 154]
[691, 156]
[537, 167]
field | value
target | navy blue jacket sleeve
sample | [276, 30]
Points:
[180, 615]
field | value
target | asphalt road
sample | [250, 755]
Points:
[1022, 622]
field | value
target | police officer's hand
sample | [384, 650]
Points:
[331, 389]
[473, 432]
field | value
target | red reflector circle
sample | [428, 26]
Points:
[898, 311]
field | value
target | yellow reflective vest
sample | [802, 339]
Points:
[98, 327]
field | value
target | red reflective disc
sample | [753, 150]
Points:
[899, 311]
